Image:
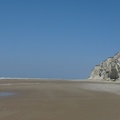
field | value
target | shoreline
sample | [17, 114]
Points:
[58, 79]
[59, 99]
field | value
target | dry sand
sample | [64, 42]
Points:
[59, 100]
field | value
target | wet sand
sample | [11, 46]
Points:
[59, 100]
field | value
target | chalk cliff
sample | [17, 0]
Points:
[108, 69]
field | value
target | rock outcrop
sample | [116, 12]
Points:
[108, 69]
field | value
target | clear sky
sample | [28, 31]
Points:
[57, 38]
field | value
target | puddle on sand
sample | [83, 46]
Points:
[4, 94]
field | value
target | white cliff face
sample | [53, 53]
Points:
[108, 69]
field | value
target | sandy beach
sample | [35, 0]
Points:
[59, 100]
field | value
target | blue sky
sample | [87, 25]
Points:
[57, 38]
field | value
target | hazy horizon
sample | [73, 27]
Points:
[57, 39]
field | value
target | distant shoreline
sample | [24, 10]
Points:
[10, 78]
[58, 79]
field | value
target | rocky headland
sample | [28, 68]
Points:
[108, 70]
